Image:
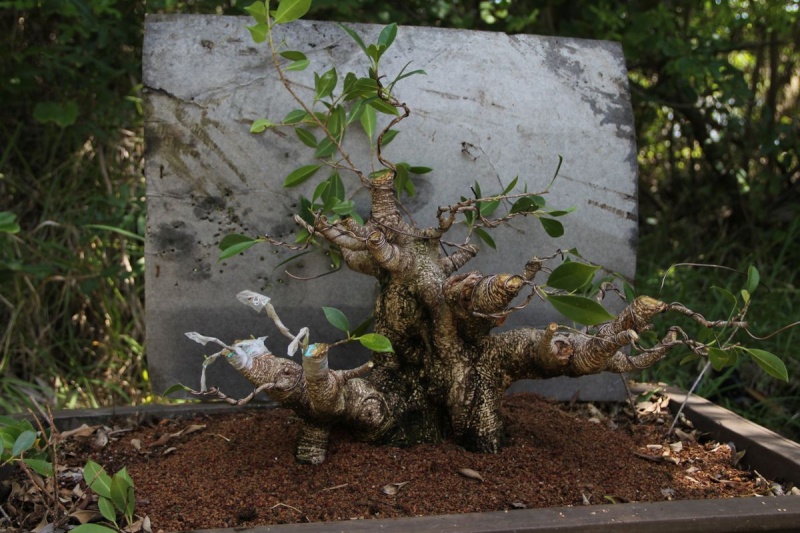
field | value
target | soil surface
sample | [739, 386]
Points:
[238, 470]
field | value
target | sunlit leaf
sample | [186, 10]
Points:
[297, 66]
[259, 32]
[580, 309]
[289, 10]
[235, 244]
[376, 342]
[258, 10]
[571, 276]
[336, 318]
[260, 125]
[344, 208]
[386, 38]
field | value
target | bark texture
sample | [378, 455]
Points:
[448, 371]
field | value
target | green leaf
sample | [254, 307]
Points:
[769, 363]
[62, 114]
[356, 111]
[386, 38]
[526, 204]
[376, 342]
[122, 492]
[289, 10]
[92, 528]
[721, 358]
[295, 116]
[297, 66]
[40, 466]
[293, 55]
[553, 227]
[24, 442]
[571, 276]
[8, 222]
[368, 121]
[260, 125]
[487, 208]
[235, 244]
[389, 136]
[175, 388]
[383, 107]
[306, 137]
[325, 148]
[259, 32]
[337, 122]
[336, 318]
[420, 170]
[95, 476]
[580, 309]
[107, 509]
[485, 237]
[344, 208]
[753, 277]
[511, 185]
[325, 84]
[300, 175]
[356, 37]
[258, 10]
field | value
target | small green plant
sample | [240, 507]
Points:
[115, 496]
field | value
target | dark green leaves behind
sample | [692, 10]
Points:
[376, 342]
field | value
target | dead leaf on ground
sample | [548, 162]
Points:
[84, 516]
[137, 444]
[100, 438]
[393, 488]
[161, 441]
[83, 431]
[169, 450]
[470, 473]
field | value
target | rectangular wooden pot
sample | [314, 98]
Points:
[773, 456]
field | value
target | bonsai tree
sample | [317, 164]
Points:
[438, 367]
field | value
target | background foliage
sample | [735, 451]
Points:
[715, 90]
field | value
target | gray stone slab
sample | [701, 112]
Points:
[490, 108]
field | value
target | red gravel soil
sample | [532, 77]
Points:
[238, 470]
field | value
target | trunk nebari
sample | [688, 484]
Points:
[448, 371]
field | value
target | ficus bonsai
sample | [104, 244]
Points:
[438, 367]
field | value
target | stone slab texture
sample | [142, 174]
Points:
[491, 107]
